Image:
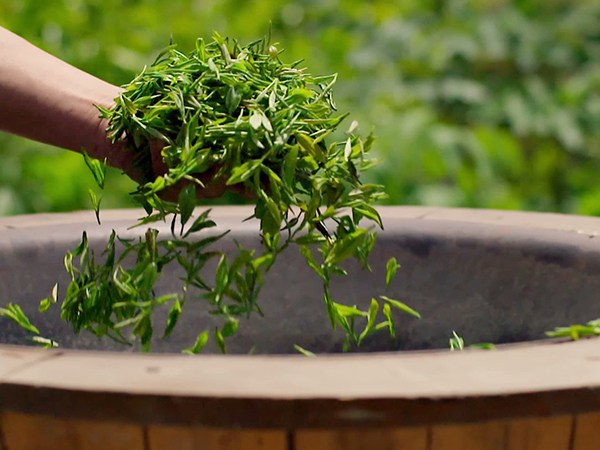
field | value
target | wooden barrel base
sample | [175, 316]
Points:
[31, 432]
[504, 275]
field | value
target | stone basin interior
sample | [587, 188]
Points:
[488, 283]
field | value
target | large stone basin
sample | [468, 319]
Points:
[491, 276]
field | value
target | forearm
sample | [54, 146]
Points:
[47, 100]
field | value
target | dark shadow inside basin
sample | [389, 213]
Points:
[489, 283]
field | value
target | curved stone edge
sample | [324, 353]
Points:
[586, 225]
[107, 216]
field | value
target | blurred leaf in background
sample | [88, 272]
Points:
[491, 104]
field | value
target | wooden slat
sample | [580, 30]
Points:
[586, 432]
[552, 433]
[488, 436]
[347, 439]
[182, 438]
[26, 432]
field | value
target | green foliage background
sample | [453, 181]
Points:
[491, 104]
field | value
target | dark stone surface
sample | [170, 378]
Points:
[487, 282]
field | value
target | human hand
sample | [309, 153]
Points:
[117, 155]
[213, 187]
[48, 100]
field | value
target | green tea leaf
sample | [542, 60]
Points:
[144, 331]
[348, 325]
[348, 311]
[343, 248]
[174, 314]
[307, 143]
[369, 212]
[303, 351]
[130, 321]
[265, 260]
[483, 346]
[96, 205]
[222, 274]
[44, 342]
[401, 306]
[201, 48]
[391, 268]
[387, 312]
[381, 325]
[348, 149]
[199, 224]
[310, 260]
[346, 345]
[353, 126]
[213, 67]
[232, 100]
[187, 203]
[456, 342]
[299, 95]
[54, 294]
[15, 313]
[372, 316]
[47, 302]
[129, 106]
[273, 211]
[97, 168]
[230, 328]
[289, 166]
[309, 239]
[331, 311]
[266, 123]
[220, 341]
[256, 120]
[199, 345]
[243, 172]
[158, 184]
[45, 305]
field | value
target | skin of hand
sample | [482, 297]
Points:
[47, 100]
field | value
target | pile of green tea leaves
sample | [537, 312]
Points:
[575, 332]
[243, 116]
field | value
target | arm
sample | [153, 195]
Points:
[47, 100]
